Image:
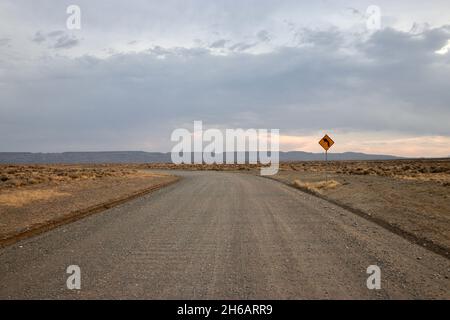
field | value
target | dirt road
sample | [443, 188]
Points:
[222, 235]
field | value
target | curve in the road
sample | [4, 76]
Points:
[222, 235]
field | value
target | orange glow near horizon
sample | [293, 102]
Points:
[425, 146]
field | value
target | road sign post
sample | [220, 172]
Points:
[326, 142]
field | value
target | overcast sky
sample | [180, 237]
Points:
[136, 70]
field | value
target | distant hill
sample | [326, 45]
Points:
[85, 157]
[158, 157]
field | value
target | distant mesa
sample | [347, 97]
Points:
[158, 157]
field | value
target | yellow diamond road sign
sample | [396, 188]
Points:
[326, 142]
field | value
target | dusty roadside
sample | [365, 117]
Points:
[409, 197]
[34, 199]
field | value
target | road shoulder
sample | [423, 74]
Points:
[33, 209]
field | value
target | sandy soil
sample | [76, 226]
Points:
[416, 170]
[200, 167]
[220, 235]
[35, 196]
[410, 196]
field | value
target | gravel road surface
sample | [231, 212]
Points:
[217, 235]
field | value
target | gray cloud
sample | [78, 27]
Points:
[57, 39]
[322, 38]
[253, 65]
[219, 43]
[263, 36]
[128, 96]
[66, 42]
[390, 44]
[242, 46]
[5, 41]
[38, 37]
[56, 33]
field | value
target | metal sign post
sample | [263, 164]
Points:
[326, 142]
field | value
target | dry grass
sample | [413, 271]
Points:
[18, 198]
[12, 176]
[21, 185]
[433, 170]
[67, 192]
[316, 186]
[418, 170]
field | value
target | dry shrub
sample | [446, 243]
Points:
[12, 176]
[19, 198]
[319, 186]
